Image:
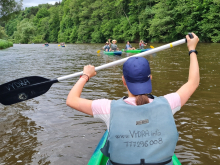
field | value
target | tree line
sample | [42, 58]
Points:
[94, 21]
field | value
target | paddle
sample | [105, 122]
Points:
[29, 87]
[151, 47]
[98, 51]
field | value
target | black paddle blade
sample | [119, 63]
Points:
[23, 89]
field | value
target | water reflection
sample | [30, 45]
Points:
[18, 140]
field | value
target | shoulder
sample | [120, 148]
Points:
[174, 101]
[101, 106]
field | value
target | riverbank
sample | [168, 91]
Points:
[5, 44]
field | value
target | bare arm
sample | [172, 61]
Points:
[193, 81]
[109, 41]
[73, 100]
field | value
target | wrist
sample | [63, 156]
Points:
[192, 54]
[84, 79]
[85, 76]
[193, 51]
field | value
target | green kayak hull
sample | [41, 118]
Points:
[135, 51]
[115, 53]
[99, 159]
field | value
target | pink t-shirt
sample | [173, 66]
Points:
[101, 108]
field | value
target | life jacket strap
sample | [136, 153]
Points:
[143, 163]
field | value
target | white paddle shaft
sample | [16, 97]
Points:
[170, 45]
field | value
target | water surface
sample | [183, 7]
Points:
[45, 131]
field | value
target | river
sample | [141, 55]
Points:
[45, 131]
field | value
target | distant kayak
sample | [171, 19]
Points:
[135, 51]
[62, 45]
[117, 53]
[99, 159]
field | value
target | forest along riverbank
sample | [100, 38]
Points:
[95, 21]
[45, 131]
[5, 44]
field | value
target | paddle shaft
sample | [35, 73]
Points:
[170, 45]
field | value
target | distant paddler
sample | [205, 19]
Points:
[114, 47]
[142, 44]
[62, 44]
[106, 47]
[129, 47]
[46, 44]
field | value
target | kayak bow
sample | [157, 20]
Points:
[116, 53]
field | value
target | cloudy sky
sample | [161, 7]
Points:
[29, 3]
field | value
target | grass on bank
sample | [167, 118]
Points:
[5, 44]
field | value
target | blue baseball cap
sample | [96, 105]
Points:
[136, 71]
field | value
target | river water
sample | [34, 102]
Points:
[45, 131]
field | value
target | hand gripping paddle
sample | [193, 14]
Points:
[29, 87]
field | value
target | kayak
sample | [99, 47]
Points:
[116, 53]
[99, 159]
[136, 51]
[62, 45]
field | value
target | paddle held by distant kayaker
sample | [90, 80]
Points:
[141, 126]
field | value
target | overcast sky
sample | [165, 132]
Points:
[29, 3]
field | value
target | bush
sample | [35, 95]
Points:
[5, 44]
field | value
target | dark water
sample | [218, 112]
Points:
[45, 131]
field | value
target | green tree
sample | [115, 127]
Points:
[3, 35]
[25, 32]
[163, 24]
[43, 12]
[54, 24]
[210, 26]
[8, 8]
[11, 26]
[77, 21]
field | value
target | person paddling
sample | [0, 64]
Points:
[141, 126]
[129, 47]
[142, 44]
[114, 47]
[106, 47]
[46, 44]
[62, 44]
